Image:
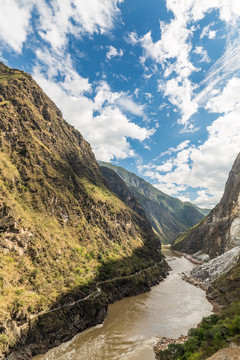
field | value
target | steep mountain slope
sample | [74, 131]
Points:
[118, 186]
[220, 231]
[205, 212]
[167, 215]
[67, 243]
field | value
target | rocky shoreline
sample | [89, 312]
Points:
[164, 342]
[47, 330]
[203, 276]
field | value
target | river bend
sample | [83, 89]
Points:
[133, 324]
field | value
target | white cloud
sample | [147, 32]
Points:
[180, 147]
[226, 67]
[166, 167]
[113, 52]
[206, 166]
[73, 83]
[173, 50]
[204, 200]
[56, 20]
[121, 99]
[109, 134]
[180, 95]
[228, 100]
[101, 119]
[15, 16]
[199, 50]
[76, 17]
[211, 34]
[184, 198]
[128, 104]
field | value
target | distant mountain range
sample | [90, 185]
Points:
[168, 215]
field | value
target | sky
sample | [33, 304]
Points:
[152, 85]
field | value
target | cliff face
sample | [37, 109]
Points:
[62, 230]
[220, 231]
[226, 289]
[167, 215]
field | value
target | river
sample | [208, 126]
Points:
[133, 324]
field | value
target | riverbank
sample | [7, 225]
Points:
[51, 328]
[219, 277]
[134, 324]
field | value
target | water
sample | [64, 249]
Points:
[134, 324]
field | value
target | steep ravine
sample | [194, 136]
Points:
[51, 328]
[167, 215]
[134, 324]
[62, 230]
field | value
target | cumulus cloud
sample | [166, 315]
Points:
[56, 20]
[127, 103]
[199, 50]
[228, 100]
[113, 52]
[109, 134]
[76, 17]
[96, 111]
[15, 17]
[180, 95]
[206, 31]
[205, 166]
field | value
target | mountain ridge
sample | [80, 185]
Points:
[168, 216]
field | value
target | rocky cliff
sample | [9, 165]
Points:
[167, 215]
[220, 231]
[68, 244]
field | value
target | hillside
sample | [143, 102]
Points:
[220, 231]
[67, 242]
[168, 216]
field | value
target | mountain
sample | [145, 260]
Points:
[220, 230]
[68, 244]
[205, 212]
[216, 237]
[168, 216]
[118, 186]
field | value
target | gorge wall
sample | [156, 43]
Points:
[62, 230]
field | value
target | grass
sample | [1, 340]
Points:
[188, 232]
[63, 229]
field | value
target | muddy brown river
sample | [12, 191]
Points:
[134, 324]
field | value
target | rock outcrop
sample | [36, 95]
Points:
[216, 267]
[62, 230]
[231, 353]
[220, 231]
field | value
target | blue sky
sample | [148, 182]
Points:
[154, 86]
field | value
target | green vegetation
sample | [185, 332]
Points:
[62, 230]
[215, 332]
[186, 233]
